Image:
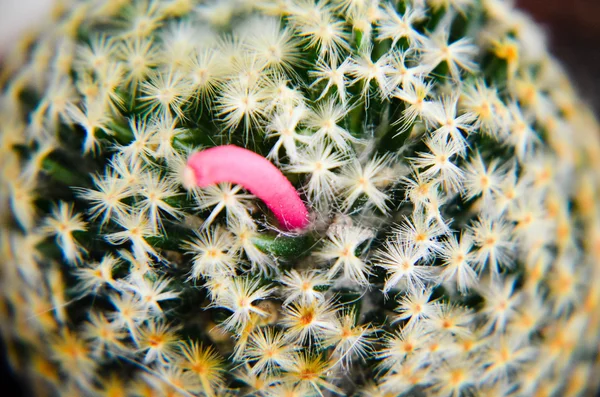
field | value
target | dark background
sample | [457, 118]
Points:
[573, 27]
[8, 386]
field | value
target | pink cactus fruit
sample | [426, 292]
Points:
[255, 173]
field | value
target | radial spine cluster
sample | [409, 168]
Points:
[451, 172]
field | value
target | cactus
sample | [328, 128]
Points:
[416, 211]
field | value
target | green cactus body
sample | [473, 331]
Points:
[451, 173]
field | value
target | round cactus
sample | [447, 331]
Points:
[297, 198]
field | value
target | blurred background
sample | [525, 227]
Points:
[574, 32]
[572, 26]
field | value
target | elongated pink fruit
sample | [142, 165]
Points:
[234, 164]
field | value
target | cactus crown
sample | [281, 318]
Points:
[450, 172]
